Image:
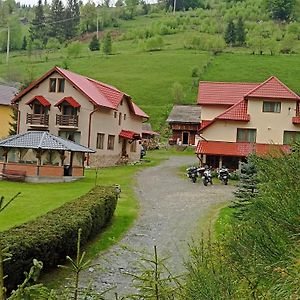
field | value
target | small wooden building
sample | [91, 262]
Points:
[184, 121]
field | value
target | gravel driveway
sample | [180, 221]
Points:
[170, 210]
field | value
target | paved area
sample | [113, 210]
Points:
[170, 210]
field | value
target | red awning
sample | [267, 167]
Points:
[70, 100]
[237, 149]
[43, 101]
[131, 135]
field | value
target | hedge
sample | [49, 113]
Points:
[53, 236]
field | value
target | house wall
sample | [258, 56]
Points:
[270, 126]
[209, 112]
[5, 118]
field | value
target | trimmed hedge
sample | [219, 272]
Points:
[53, 236]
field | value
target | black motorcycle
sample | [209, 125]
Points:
[207, 176]
[192, 173]
[223, 175]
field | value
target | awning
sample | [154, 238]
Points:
[70, 100]
[131, 135]
[238, 149]
[42, 100]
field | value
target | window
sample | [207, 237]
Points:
[133, 146]
[74, 136]
[38, 109]
[272, 107]
[52, 86]
[100, 141]
[124, 117]
[290, 137]
[110, 142]
[115, 114]
[61, 85]
[68, 110]
[246, 135]
[120, 119]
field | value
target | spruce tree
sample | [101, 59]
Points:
[72, 16]
[107, 44]
[230, 37]
[94, 44]
[57, 20]
[37, 29]
[240, 33]
[246, 189]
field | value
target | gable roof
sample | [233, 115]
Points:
[7, 93]
[272, 88]
[42, 140]
[223, 93]
[185, 114]
[100, 94]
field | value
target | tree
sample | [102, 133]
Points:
[14, 122]
[240, 33]
[94, 44]
[281, 9]
[230, 36]
[88, 17]
[107, 44]
[246, 188]
[57, 14]
[177, 92]
[37, 29]
[24, 43]
[119, 3]
[183, 4]
[131, 6]
[72, 14]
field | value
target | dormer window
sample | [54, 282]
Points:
[61, 85]
[52, 85]
[38, 108]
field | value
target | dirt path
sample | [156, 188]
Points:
[170, 209]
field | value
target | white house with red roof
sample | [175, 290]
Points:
[84, 110]
[240, 118]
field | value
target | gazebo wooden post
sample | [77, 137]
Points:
[39, 161]
[71, 162]
[62, 157]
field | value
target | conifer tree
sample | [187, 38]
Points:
[24, 43]
[240, 33]
[37, 29]
[246, 189]
[94, 44]
[57, 17]
[72, 16]
[107, 44]
[230, 36]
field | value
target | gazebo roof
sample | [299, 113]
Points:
[42, 140]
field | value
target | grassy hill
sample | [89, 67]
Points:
[148, 76]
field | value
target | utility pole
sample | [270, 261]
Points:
[8, 43]
[97, 26]
[174, 7]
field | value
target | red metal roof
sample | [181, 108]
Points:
[237, 149]
[237, 112]
[43, 101]
[226, 93]
[131, 135]
[69, 100]
[98, 93]
[272, 88]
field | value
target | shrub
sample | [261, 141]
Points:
[52, 236]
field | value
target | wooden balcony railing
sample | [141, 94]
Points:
[38, 119]
[67, 120]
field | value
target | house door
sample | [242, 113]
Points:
[124, 145]
[185, 138]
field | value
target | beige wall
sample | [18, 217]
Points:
[209, 112]
[5, 118]
[269, 126]
[103, 120]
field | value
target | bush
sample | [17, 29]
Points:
[52, 236]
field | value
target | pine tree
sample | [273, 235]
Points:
[37, 29]
[94, 44]
[230, 37]
[240, 33]
[246, 189]
[72, 15]
[107, 44]
[57, 17]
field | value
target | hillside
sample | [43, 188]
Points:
[151, 71]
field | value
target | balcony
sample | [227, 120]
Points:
[37, 120]
[296, 120]
[67, 121]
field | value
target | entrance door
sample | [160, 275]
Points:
[124, 145]
[185, 138]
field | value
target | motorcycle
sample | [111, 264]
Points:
[223, 175]
[192, 173]
[207, 177]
